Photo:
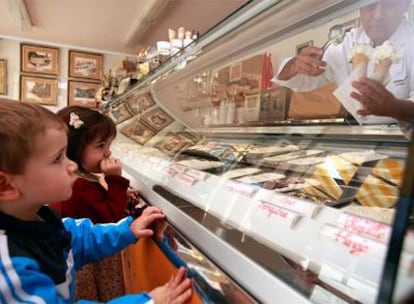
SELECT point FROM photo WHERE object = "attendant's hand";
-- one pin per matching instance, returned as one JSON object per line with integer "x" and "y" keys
{"x": 308, "y": 62}
{"x": 111, "y": 166}
{"x": 375, "y": 99}
{"x": 140, "y": 226}
{"x": 176, "y": 291}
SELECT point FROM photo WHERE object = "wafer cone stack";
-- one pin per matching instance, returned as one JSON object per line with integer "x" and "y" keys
{"x": 381, "y": 69}
{"x": 358, "y": 58}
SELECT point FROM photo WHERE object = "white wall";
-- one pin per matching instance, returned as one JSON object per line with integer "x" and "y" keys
{"x": 10, "y": 50}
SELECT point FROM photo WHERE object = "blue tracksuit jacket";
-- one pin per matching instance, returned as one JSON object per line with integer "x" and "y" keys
{"x": 39, "y": 258}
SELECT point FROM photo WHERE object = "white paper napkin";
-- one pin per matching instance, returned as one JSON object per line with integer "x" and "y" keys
{"x": 343, "y": 94}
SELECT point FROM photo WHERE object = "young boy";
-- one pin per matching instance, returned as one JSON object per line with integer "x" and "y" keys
{"x": 38, "y": 251}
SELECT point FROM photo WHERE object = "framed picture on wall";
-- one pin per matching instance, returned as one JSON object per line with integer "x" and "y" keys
{"x": 83, "y": 93}
{"x": 85, "y": 65}
{"x": 39, "y": 59}
{"x": 354, "y": 23}
{"x": 3, "y": 76}
{"x": 39, "y": 90}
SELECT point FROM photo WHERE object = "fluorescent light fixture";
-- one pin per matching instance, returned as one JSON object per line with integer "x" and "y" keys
{"x": 19, "y": 13}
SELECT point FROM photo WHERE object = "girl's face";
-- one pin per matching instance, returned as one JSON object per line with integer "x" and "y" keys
{"x": 49, "y": 174}
{"x": 94, "y": 153}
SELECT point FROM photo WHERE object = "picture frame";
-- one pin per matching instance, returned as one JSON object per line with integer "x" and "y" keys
{"x": 138, "y": 104}
{"x": 301, "y": 46}
{"x": 85, "y": 65}
{"x": 3, "y": 77}
{"x": 138, "y": 132}
{"x": 83, "y": 93}
{"x": 38, "y": 59}
{"x": 157, "y": 119}
{"x": 120, "y": 113}
{"x": 354, "y": 23}
{"x": 40, "y": 90}
{"x": 172, "y": 143}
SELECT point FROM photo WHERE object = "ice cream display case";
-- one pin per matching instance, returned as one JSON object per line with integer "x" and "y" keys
{"x": 282, "y": 191}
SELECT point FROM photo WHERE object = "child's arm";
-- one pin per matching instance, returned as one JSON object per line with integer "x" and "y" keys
{"x": 23, "y": 282}
{"x": 92, "y": 242}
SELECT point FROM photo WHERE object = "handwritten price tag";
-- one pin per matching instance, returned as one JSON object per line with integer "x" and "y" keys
{"x": 240, "y": 189}
{"x": 199, "y": 175}
{"x": 297, "y": 205}
{"x": 185, "y": 179}
{"x": 365, "y": 227}
{"x": 179, "y": 168}
{"x": 170, "y": 172}
{"x": 275, "y": 213}
{"x": 355, "y": 244}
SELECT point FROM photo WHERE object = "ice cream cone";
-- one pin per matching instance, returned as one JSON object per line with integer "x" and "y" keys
{"x": 381, "y": 69}
{"x": 359, "y": 58}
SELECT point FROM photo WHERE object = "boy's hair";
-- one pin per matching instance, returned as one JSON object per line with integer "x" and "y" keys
{"x": 20, "y": 125}
{"x": 95, "y": 126}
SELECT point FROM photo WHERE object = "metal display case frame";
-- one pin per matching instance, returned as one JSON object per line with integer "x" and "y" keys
{"x": 227, "y": 247}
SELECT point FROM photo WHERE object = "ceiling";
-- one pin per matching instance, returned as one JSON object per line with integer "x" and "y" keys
{"x": 111, "y": 26}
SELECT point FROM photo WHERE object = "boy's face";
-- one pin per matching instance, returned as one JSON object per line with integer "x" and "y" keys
{"x": 94, "y": 153}
{"x": 49, "y": 174}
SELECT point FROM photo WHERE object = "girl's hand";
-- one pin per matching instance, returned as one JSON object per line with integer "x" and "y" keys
{"x": 133, "y": 194}
{"x": 139, "y": 227}
{"x": 111, "y": 166}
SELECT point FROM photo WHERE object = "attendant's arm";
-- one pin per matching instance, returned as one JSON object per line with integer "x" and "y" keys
{"x": 304, "y": 72}
{"x": 307, "y": 62}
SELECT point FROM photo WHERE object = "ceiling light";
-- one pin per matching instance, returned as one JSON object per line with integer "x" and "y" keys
{"x": 19, "y": 13}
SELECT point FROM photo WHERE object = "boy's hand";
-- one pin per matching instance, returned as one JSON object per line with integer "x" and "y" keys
{"x": 111, "y": 166}
{"x": 176, "y": 291}
{"x": 139, "y": 227}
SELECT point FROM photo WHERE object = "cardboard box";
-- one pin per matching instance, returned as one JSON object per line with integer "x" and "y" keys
{"x": 317, "y": 104}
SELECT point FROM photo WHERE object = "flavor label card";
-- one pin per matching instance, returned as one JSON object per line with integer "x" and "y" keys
{"x": 265, "y": 216}
{"x": 235, "y": 188}
{"x": 185, "y": 179}
{"x": 179, "y": 168}
{"x": 355, "y": 245}
{"x": 275, "y": 213}
{"x": 295, "y": 204}
{"x": 198, "y": 175}
{"x": 365, "y": 227}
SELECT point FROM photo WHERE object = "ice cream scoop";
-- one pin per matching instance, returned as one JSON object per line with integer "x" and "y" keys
{"x": 336, "y": 35}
